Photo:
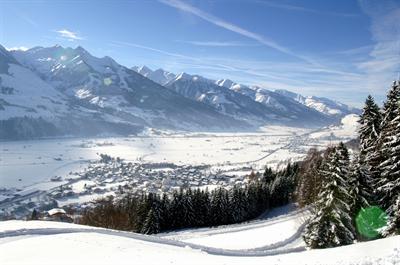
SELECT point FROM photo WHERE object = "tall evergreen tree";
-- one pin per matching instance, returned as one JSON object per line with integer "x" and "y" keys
{"x": 393, "y": 226}
{"x": 388, "y": 185}
{"x": 238, "y": 204}
{"x": 268, "y": 175}
{"x": 188, "y": 209}
{"x": 309, "y": 180}
{"x": 331, "y": 223}
{"x": 152, "y": 222}
{"x": 370, "y": 157}
{"x": 370, "y": 127}
{"x": 359, "y": 187}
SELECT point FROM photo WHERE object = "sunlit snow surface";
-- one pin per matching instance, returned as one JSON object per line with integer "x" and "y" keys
{"x": 23, "y": 163}
{"x": 33, "y": 171}
{"x": 37, "y": 242}
{"x": 279, "y": 229}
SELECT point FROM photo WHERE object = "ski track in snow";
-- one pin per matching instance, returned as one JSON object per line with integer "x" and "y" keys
{"x": 148, "y": 238}
{"x": 287, "y": 245}
{"x": 213, "y": 237}
{"x": 261, "y": 221}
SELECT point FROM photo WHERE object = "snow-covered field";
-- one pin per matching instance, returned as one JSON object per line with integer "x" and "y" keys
{"x": 26, "y": 162}
{"x": 39, "y": 242}
{"x": 277, "y": 230}
{"x": 23, "y": 163}
{"x": 33, "y": 170}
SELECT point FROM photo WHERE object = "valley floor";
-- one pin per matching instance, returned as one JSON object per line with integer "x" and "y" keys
{"x": 41, "y": 172}
{"x": 272, "y": 239}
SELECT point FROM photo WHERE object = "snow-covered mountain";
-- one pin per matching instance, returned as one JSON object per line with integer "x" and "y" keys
{"x": 248, "y": 103}
{"x": 24, "y": 92}
{"x": 279, "y": 103}
{"x": 67, "y": 91}
{"x": 28, "y": 105}
{"x": 104, "y": 89}
{"x": 324, "y": 105}
{"x": 222, "y": 99}
{"x": 245, "y": 103}
{"x": 159, "y": 76}
{"x": 51, "y": 96}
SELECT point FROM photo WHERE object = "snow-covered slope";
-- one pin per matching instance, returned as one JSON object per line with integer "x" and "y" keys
{"x": 278, "y": 229}
{"x": 31, "y": 107}
{"x": 348, "y": 127}
{"x": 117, "y": 93}
{"x": 68, "y": 91}
{"x": 28, "y": 105}
{"x": 245, "y": 103}
{"x": 279, "y": 103}
{"x": 251, "y": 103}
{"x": 24, "y": 94}
{"x": 39, "y": 242}
{"x": 286, "y": 100}
{"x": 324, "y": 105}
{"x": 222, "y": 99}
{"x": 159, "y": 76}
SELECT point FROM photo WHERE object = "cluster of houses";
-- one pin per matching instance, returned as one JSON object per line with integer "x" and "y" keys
{"x": 119, "y": 176}
{"x": 110, "y": 176}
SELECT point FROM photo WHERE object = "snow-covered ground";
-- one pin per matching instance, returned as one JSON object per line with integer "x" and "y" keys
{"x": 24, "y": 163}
{"x": 32, "y": 172}
{"x": 265, "y": 233}
{"x": 40, "y": 242}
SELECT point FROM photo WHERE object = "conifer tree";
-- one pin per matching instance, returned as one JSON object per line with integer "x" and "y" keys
{"x": 370, "y": 127}
{"x": 393, "y": 226}
{"x": 268, "y": 175}
{"x": 309, "y": 179}
{"x": 176, "y": 210}
{"x": 189, "y": 212}
{"x": 238, "y": 205}
{"x": 152, "y": 222}
{"x": 331, "y": 223}
{"x": 388, "y": 185}
{"x": 359, "y": 187}
{"x": 34, "y": 215}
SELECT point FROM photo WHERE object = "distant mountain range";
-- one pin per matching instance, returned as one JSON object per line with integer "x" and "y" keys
{"x": 199, "y": 88}
{"x": 57, "y": 91}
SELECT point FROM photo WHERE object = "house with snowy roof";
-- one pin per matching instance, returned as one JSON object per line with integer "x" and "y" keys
{"x": 59, "y": 215}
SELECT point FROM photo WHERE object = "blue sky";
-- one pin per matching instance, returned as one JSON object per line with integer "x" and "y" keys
{"x": 342, "y": 49}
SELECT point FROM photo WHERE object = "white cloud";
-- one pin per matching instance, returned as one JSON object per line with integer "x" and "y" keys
{"x": 69, "y": 35}
{"x": 295, "y": 76}
{"x": 383, "y": 64}
{"x": 307, "y": 10}
{"x": 348, "y": 76}
{"x": 219, "y": 43}
{"x": 135, "y": 45}
{"x": 234, "y": 28}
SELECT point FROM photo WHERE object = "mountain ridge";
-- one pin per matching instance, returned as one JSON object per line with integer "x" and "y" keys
{"x": 313, "y": 111}
{"x": 101, "y": 96}
{"x": 323, "y": 105}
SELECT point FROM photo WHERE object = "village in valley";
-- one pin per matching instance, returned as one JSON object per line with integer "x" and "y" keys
{"x": 107, "y": 167}
{"x": 113, "y": 176}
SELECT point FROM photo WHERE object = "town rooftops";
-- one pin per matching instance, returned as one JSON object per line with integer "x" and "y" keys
{"x": 56, "y": 211}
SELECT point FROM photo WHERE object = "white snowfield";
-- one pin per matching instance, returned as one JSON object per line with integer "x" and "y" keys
{"x": 39, "y": 242}
{"x": 275, "y": 231}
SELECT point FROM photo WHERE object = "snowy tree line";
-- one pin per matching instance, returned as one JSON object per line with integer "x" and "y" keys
{"x": 153, "y": 213}
{"x": 340, "y": 188}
